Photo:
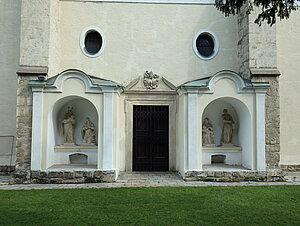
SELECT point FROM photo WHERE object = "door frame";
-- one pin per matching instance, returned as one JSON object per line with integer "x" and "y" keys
{"x": 155, "y": 101}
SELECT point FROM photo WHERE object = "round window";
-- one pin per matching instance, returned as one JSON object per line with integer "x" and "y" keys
{"x": 205, "y": 45}
{"x": 91, "y": 42}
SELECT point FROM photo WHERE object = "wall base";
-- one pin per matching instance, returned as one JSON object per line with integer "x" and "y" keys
{"x": 235, "y": 176}
{"x": 6, "y": 170}
{"x": 290, "y": 168}
{"x": 63, "y": 177}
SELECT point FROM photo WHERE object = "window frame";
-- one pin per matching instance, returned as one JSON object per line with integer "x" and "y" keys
{"x": 82, "y": 41}
{"x": 215, "y": 41}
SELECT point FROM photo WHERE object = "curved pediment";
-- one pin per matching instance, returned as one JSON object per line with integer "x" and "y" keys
{"x": 207, "y": 85}
{"x": 91, "y": 84}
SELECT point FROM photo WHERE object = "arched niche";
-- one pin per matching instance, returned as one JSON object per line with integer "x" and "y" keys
{"x": 242, "y": 133}
{"x": 82, "y": 109}
{"x": 214, "y": 112}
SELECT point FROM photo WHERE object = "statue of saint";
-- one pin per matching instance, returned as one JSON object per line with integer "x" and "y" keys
{"x": 68, "y": 127}
{"x": 228, "y": 126}
{"x": 88, "y": 132}
{"x": 207, "y": 133}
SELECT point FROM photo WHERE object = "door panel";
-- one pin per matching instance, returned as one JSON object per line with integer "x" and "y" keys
{"x": 150, "y": 138}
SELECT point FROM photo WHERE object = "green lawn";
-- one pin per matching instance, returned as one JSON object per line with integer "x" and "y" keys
{"x": 263, "y": 205}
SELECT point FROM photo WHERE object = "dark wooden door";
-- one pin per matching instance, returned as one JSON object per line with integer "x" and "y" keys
{"x": 150, "y": 138}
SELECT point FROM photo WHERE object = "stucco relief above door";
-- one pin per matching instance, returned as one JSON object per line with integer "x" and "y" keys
{"x": 150, "y": 82}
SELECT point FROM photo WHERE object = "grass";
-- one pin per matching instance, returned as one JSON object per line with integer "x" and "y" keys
{"x": 259, "y": 205}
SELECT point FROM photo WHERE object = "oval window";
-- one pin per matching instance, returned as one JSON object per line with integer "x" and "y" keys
{"x": 91, "y": 42}
{"x": 205, "y": 45}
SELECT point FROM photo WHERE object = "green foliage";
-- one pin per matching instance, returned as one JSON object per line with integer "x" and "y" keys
{"x": 259, "y": 205}
{"x": 270, "y": 9}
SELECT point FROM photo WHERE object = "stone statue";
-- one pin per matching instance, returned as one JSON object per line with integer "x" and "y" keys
{"x": 88, "y": 132}
{"x": 207, "y": 133}
{"x": 68, "y": 126}
{"x": 228, "y": 126}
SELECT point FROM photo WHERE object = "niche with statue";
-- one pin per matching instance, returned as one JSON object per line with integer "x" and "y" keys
{"x": 220, "y": 134}
{"x": 75, "y": 131}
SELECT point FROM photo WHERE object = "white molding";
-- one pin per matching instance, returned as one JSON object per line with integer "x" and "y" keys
{"x": 108, "y": 134}
{"x": 215, "y": 40}
{"x": 87, "y": 82}
{"x": 90, "y": 86}
{"x": 37, "y": 128}
{"x": 82, "y": 39}
{"x": 194, "y": 156}
{"x": 260, "y": 132}
{"x": 238, "y": 81}
{"x": 194, "y": 2}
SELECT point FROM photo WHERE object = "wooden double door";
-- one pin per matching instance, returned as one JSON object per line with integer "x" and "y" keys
{"x": 150, "y": 138}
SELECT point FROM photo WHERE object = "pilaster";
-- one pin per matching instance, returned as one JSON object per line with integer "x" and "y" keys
{"x": 36, "y": 143}
{"x": 107, "y": 149}
{"x": 193, "y": 153}
{"x": 260, "y": 131}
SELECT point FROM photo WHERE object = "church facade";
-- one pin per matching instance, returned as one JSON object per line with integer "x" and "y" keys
{"x": 95, "y": 88}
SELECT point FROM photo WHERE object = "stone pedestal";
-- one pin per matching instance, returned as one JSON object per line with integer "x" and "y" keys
{"x": 233, "y": 155}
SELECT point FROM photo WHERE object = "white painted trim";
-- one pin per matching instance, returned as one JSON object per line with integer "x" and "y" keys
{"x": 107, "y": 131}
{"x": 57, "y": 87}
{"x": 194, "y": 158}
{"x": 195, "y": 2}
{"x": 215, "y": 40}
{"x": 260, "y": 132}
{"x": 36, "y": 142}
{"x": 238, "y": 81}
{"x": 82, "y": 39}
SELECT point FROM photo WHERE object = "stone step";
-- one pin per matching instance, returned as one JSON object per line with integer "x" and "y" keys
{"x": 149, "y": 177}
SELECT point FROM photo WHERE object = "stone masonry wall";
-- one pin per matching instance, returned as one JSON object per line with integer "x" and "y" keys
{"x": 235, "y": 176}
{"x": 272, "y": 120}
{"x": 243, "y": 42}
{"x": 262, "y": 44}
{"x": 54, "y": 39}
{"x": 257, "y": 44}
{"x": 257, "y": 51}
{"x": 24, "y": 123}
{"x": 63, "y": 177}
{"x": 34, "y": 46}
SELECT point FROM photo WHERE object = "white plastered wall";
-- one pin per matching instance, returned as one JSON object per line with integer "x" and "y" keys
{"x": 288, "y": 49}
{"x": 136, "y": 40}
{"x": 10, "y": 12}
